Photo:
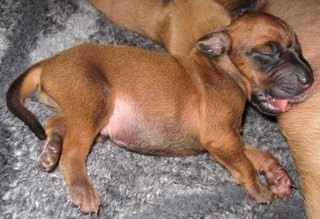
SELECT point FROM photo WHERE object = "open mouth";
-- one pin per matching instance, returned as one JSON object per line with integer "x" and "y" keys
{"x": 279, "y": 105}
{"x": 275, "y": 106}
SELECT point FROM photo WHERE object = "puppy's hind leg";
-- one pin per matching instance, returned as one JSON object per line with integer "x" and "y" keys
{"x": 279, "y": 181}
{"x": 76, "y": 146}
{"x": 51, "y": 147}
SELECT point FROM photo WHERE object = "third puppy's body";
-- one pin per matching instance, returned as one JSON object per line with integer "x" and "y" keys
{"x": 175, "y": 24}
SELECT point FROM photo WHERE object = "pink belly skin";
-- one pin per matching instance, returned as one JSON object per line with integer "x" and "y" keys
{"x": 129, "y": 127}
{"x": 123, "y": 123}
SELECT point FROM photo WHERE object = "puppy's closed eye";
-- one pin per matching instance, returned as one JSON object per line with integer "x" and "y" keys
{"x": 264, "y": 60}
{"x": 266, "y": 57}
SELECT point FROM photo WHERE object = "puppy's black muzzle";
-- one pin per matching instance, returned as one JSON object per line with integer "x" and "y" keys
{"x": 290, "y": 79}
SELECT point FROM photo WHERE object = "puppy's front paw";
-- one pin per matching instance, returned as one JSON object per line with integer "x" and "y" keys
{"x": 279, "y": 181}
{"x": 85, "y": 197}
{"x": 51, "y": 150}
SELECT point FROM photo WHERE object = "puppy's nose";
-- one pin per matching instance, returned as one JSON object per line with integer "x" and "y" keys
{"x": 305, "y": 81}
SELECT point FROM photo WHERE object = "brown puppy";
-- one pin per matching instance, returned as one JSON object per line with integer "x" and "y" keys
{"x": 301, "y": 125}
{"x": 147, "y": 107}
{"x": 186, "y": 105}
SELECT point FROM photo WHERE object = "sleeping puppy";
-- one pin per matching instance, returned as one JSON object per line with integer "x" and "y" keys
{"x": 155, "y": 103}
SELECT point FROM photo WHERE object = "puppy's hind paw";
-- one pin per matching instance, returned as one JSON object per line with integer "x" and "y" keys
{"x": 50, "y": 155}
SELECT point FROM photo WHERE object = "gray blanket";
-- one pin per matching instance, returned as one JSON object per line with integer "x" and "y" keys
{"x": 130, "y": 185}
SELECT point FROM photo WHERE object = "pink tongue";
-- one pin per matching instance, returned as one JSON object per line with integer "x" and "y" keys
{"x": 282, "y": 104}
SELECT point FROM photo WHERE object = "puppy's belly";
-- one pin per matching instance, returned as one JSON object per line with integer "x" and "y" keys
{"x": 155, "y": 134}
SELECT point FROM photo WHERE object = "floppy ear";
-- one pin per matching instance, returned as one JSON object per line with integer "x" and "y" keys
{"x": 215, "y": 44}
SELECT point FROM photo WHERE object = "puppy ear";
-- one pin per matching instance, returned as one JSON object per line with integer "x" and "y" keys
{"x": 215, "y": 44}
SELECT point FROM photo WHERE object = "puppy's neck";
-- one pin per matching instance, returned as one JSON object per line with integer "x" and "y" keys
{"x": 222, "y": 66}
{"x": 223, "y": 63}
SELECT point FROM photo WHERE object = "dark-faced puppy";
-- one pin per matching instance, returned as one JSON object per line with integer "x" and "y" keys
{"x": 154, "y": 103}
{"x": 114, "y": 110}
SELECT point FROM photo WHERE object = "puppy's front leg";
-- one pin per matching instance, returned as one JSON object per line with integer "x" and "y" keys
{"x": 76, "y": 148}
{"x": 229, "y": 150}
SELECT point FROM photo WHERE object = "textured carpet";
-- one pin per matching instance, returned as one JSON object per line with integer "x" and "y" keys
{"x": 130, "y": 185}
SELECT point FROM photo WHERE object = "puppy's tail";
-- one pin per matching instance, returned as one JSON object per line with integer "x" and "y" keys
{"x": 18, "y": 91}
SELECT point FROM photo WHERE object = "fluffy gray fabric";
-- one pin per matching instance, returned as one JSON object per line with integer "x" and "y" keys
{"x": 130, "y": 185}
